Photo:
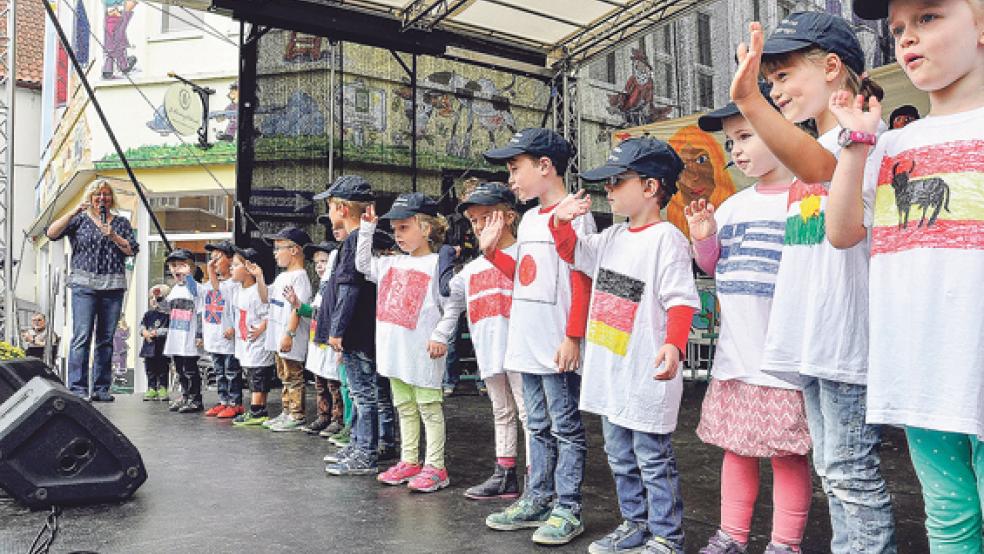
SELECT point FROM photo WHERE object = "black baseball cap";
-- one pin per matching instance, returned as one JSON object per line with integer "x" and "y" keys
{"x": 225, "y": 246}
{"x": 871, "y": 9}
{"x": 644, "y": 155}
{"x": 714, "y": 121}
{"x": 488, "y": 194}
{"x": 348, "y": 187}
{"x": 293, "y": 234}
{"x": 323, "y": 246}
{"x": 410, "y": 204}
{"x": 248, "y": 254}
{"x": 535, "y": 141}
{"x": 905, "y": 109}
{"x": 180, "y": 255}
{"x": 804, "y": 29}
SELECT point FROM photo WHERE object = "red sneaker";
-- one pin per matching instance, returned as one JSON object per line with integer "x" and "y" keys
{"x": 399, "y": 474}
{"x": 430, "y": 479}
{"x": 214, "y": 410}
{"x": 230, "y": 412}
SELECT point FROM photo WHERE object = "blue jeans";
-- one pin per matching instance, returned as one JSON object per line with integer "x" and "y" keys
{"x": 387, "y": 414}
{"x": 646, "y": 480}
{"x": 361, "y": 372}
{"x": 99, "y": 309}
{"x": 845, "y": 455}
{"x": 557, "y": 442}
{"x": 228, "y": 379}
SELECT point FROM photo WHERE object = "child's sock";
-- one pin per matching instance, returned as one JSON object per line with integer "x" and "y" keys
{"x": 506, "y": 462}
{"x": 739, "y": 489}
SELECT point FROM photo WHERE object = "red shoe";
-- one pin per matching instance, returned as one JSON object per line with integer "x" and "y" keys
{"x": 430, "y": 479}
{"x": 399, "y": 474}
{"x": 214, "y": 410}
{"x": 230, "y": 412}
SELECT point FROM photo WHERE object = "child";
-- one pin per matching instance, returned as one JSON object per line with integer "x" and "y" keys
{"x": 251, "y": 309}
{"x": 184, "y": 332}
{"x": 642, "y": 303}
{"x": 408, "y": 307}
{"x": 487, "y": 294}
{"x": 153, "y": 329}
{"x": 926, "y": 373}
{"x": 285, "y": 325}
{"x": 746, "y": 412}
{"x": 549, "y": 310}
{"x": 321, "y": 362}
{"x": 351, "y": 331}
{"x": 818, "y": 327}
{"x": 218, "y": 330}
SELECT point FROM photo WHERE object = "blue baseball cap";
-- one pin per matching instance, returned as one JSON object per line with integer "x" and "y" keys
{"x": 323, "y": 246}
{"x": 249, "y": 254}
{"x": 714, "y": 121}
{"x": 225, "y": 246}
{"x": 410, "y": 204}
{"x": 804, "y": 29}
{"x": 488, "y": 194}
{"x": 535, "y": 141}
{"x": 644, "y": 155}
{"x": 871, "y": 9}
{"x": 293, "y": 234}
{"x": 180, "y": 255}
{"x": 348, "y": 187}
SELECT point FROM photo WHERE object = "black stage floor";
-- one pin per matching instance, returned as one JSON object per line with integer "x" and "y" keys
{"x": 214, "y": 488}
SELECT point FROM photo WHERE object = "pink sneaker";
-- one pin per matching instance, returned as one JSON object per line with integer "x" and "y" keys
{"x": 430, "y": 479}
{"x": 399, "y": 474}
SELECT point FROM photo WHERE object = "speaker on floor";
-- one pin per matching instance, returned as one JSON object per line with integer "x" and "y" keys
{"x": 56, "y": 449}
{"x": 14, "y": 374}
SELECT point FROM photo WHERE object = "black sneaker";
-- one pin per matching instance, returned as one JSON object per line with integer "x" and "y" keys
{"x": 191, "y": 406}
{"x": 316, "y": 426}
{"x": 176, "y": 404}
{"x": 358, "y": 463}
{"x": 387, "y": 454}
{"x": 502, "y": 484}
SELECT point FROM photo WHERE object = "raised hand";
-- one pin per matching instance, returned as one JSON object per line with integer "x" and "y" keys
{"x": 745, "y": 82}
{"x": 700, "y": 219}
{"x": 572, "y": 206}
{"x": 369, "y": 216}
{"x": 669, "y": 357}
{"x": 255, "y": 270}
{"x": 850, "y": 114}
{"x": 492, "y": 232}
{"x": 291, "y": 297}
{"x": 83, "y": 206}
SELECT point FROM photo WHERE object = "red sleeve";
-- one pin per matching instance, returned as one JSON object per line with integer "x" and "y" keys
{"x": 503, "y": 262}
{"x": 565, "y": 239}
{"x": 577, "y": 321}
{"x": 678, "y": 323}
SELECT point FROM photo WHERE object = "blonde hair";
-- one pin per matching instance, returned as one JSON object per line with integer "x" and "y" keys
{"x": 724, "y": 186}
{"x": 438, "y": 228}
{"x": 353, "y": 205}
{"x": 857, "y": 84}
{"x": 94, "y": 187}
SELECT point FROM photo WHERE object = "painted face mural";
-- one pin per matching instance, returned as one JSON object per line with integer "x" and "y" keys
{"x": 704, "y": 173}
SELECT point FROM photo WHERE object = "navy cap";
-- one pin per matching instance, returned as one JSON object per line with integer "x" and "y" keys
{"x": 871, "y": 9}
{"x": 488, "y": 194}
{"x": 714, "y": 121}
{"x": 323, "y": 246}
{"x": 804, "y": 29}
{"x": 249, "y": 254}
{"x": 226, "y": 247}
{"x": 644, "y": 155}
{"x": 348, "y": 187}
{"x": 410, "y": 204}
{"x": 535, "y": 141}
{"x": 293, "y": 234}
{"x": 180, "y": 255}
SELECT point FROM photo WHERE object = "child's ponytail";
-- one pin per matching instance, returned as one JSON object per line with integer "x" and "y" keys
{"x": 438, "y": 226}
{"x": 863, "y": 85}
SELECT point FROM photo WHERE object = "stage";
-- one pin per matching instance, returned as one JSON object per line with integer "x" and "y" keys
{"x": 213, "y": 488}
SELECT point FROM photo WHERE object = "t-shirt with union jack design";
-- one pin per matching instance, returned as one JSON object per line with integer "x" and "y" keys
{"x": 183, "y": 329}
{"x": 218, "y": 314}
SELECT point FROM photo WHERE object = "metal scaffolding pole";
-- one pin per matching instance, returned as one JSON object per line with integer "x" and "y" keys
{"x": 7, "y": 171}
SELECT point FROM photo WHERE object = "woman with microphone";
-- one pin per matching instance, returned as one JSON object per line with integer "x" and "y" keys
{"x": 100, "y": 241}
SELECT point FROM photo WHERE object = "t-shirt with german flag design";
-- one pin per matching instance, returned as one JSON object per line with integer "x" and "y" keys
{"x": 638, "y": 276}
{"x": 927, "y": 269}
{"x": 250, "y": 313}
{"x": 486, "y": 292}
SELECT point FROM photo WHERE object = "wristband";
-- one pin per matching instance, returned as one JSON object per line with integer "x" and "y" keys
{"x": 848, "y": 137}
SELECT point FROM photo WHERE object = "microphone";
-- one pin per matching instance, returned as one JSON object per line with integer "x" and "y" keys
{"x": 103, "y": 214}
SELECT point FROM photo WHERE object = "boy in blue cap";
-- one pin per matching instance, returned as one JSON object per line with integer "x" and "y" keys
{"x": 545, "y": 331}
{"x": 642, "y": 303}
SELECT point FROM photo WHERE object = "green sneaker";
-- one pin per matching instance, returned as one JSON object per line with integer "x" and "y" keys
{"x": 287, "y": 424}
{"x": 561, "y": 528}
{"x": 274, "y": 420}
{"x": 522, "y": 514}
{"x": 151, "y": 394}
{"x": 342, "y": 438}
{"x": 162, "y": 394}
{"x": 249, "y": 420}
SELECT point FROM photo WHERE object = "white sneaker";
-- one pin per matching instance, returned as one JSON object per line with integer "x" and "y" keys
{"x": 274, "y": 420}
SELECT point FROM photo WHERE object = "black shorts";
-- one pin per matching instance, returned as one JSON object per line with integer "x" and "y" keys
{"x": 260, "y": 377}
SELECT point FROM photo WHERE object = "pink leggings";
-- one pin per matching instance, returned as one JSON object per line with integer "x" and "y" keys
{"x": 791, "y": 495}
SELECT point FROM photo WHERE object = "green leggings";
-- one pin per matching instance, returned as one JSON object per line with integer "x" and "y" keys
{"x": 950, "y": 467}
{"x": 346, "y": 399}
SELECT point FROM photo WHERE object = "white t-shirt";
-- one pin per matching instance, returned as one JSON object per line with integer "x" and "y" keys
{"x": 321, "y": 360}
{"x": 487, "y": 294}
{"x": 182, "y": 330}
{"x": 751, "y": 228}
{"x": 251, "y": 312}
{"x": 541, "y": 295}
{"x": 927, "y": 308}
{"x": 819, "y": 321}
{"x": 218, "y": 314}
{"x": 638, "y": 275}
{"x": 408, "y": 307}
{"x": 280, "y": 312}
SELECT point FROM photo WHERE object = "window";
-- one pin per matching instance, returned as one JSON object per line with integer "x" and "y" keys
{"x": 663, "y": 75}
{"x": 163, "y": 201}
{"x": 756, "y": 10}
{"x": 202, "y": 212}
{"x": 176, "y": 18}
{"x": 784, "y": 10}
{"x": 663, "y": 40}
{"x": 217, "y": 205}
{"x": 704, "y": 39}
{"x": 603, "y": 69}
{"x": 705, "y": 91}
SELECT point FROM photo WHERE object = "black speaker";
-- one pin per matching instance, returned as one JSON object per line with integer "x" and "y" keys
{"x": 14, "y": 374}
{"x": 56, "y": 449}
